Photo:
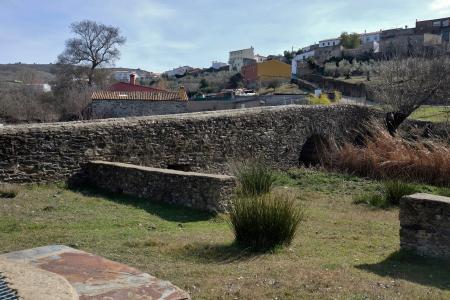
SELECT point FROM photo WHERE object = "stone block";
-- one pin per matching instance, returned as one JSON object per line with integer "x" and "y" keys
{"x": 208, "y": 192}
{"x": 425, "y": 224}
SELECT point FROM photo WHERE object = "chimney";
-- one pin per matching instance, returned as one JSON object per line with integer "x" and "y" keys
{"x": 133, "y": 79}
{"x": 182, "y": 93}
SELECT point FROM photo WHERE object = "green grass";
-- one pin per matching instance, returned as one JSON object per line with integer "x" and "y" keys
{"x": 341, "y": 251}
{"x": 431, "y": 113}
{"x": 391, "y": 191}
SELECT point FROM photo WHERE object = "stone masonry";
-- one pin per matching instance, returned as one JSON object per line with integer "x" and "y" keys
{"x": 195, "y": 190}
{"x": 425, "y": 224}
{"x": 203, "y": 141}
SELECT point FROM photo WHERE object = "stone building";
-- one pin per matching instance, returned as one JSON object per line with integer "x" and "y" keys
{"x": 440, "y": 27}
{"x": 114, "y": 104}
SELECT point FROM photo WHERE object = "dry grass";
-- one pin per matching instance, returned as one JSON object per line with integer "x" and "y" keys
{"x": 388, "y": 157}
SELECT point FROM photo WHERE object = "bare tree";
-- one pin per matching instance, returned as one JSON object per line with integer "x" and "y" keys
{"x": 95, "y": 44}
{"x": 404, "y": 84}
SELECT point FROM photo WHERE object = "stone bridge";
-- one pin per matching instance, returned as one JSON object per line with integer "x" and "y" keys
{"x": 282, "y": 136}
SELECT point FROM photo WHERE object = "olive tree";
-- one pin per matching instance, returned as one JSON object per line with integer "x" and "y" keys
{"x": 94, "y": 45}
{"x": 405, "y": 84}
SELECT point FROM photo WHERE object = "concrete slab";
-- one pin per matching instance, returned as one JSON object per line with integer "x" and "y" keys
{"x": 95, "y": 277}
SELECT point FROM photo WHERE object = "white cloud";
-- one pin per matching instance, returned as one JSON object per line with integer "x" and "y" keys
{"x": 440, "y": 5}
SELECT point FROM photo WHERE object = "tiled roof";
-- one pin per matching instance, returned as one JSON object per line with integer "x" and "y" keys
{"x": 128, "y": 87}
{"x": 148, "y": 96}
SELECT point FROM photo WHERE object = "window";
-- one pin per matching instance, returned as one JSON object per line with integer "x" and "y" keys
{"x": 445, "y": 23}
{"x": 436, "y": 23}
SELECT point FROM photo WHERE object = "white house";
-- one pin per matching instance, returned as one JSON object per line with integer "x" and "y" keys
{"x": 260, "y": 58}
{"x": 236, "y": 60}
{"x": 300, "y": 57}
{"x": 178, "y": 71}
{"x": 330, "y": 42}
{"x": 369, "y": 37}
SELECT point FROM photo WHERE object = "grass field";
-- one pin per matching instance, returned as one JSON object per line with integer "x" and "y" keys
{"x": 432, "y": 113}
{"x": 342, "y": 250}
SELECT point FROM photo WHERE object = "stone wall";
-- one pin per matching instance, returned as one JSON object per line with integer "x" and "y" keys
{"x": 100, "y": 109}
{"x": 206, "y": 142}
{"x": 195, "y": 190}
{"x": 425, "y": 224}
{"x": 357, "y": 90}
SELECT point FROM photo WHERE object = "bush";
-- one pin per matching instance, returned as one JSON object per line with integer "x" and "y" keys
{"x": 321, "y": 100}
{"x": 395, "y": 189}
{"x": 254, "y": 178}
{"x": 264, "y": 222}
{"x": 8, "y": 191}
{"x": 386, "y": 157}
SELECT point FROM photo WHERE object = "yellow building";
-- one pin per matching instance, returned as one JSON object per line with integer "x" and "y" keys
{"x": 266, "y": 71}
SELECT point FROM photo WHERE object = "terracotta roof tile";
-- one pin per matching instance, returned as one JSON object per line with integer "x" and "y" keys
{"x": 148, "y": 96}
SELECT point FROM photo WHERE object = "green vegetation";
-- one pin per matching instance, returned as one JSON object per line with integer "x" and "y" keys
{"x": 392, "y": 191}
{"x": 341, "y": 250}
{"x": 432, "y": 113}
{"x": 264, "y": 222}
{"x": 395, "y": 190}
{"x": 254, "y": 178}
{"x": 321, "y": 100}
{"x": 259, "y": 219}
{"x": 350, "y": 40}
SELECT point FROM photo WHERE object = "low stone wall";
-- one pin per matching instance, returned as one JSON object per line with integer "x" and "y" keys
{"x": 425, "y": 224}
{"x": 207, "y": 192}
{"x": 357, "y": 90}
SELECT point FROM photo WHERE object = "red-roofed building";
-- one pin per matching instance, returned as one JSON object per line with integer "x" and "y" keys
{"x": 132, "y": 86}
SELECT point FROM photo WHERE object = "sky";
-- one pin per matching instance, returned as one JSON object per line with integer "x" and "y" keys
{"x": 165, "y": 34}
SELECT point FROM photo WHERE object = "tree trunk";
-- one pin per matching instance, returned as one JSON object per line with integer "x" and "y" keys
{"x": 394, "y": 119}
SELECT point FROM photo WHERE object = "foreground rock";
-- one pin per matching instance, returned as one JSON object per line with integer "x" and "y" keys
{"x": 70, "y": 273}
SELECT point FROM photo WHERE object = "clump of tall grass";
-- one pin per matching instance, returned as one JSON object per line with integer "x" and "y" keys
{"x": 254, "y": 178}
{"x": 394, "y": 190}
{"x": 391, "y": 193}
{"x": 266, "y": 221}
{"x": 8, "y": 190}
{"x": 386, "y": 157}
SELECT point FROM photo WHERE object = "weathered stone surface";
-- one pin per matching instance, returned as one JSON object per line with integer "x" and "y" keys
{"x": 196, "y": 190}
{"x": 94, "y": 277}
{"x": 203, "y": 141}
{"x": 425, "y": 224}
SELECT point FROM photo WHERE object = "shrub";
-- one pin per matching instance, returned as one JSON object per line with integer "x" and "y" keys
{"x": 254, "y": 178}
{"x": 395, "y": 189}
{"x": 8, "y": 191}
{"x": 386, "y": 157}
{"x": 264, "y": 222}
{"x": 321, "y": 100}
{"x": 392, "y": 192}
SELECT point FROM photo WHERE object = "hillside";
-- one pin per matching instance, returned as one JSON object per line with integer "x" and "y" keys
{"x": 26, "y": 72}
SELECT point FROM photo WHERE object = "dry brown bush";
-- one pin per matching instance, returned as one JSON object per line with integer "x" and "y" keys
{"x": 386, "y": 157}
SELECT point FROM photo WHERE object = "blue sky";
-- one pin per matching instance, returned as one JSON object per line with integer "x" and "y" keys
{"x": 163, "y": 34}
